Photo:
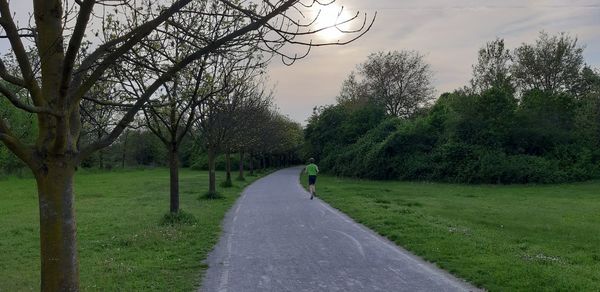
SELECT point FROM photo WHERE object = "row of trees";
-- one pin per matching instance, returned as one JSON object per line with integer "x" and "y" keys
{"x": 183, "y": 63}
{"x": 531, "y": 115}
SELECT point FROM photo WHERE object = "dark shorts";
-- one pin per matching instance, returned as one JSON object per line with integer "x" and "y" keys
{"x": 312, "y": 179}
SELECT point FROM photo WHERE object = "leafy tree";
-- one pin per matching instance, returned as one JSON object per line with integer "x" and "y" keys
{"x": 554, "y": 63}
{"x": 353, "y": 93}
{"x": 493, "y": 67}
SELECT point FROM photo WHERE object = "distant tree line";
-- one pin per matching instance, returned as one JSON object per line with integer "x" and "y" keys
{"x": 530, "y": 115}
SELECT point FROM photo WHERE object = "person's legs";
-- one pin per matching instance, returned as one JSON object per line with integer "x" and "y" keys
{"x": 311, "y": 185}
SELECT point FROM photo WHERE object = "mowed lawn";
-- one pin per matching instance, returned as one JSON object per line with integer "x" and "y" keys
{"x": 122, "y": 246}
{"x": 501, "y": 238}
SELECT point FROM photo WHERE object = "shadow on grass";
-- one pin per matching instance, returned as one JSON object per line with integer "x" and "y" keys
{"x": 226, "y": 184}
{"x": 178, "y": 218}
{"x": 211, "y": 196}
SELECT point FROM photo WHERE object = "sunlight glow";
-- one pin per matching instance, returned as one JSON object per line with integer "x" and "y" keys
{"x": 331, "y": 15}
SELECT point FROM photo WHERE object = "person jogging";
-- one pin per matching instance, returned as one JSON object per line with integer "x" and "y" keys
{"x": 312, "y": 169}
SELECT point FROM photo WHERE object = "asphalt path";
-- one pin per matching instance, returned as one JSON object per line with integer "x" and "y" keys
{"x": 276, "y": 239}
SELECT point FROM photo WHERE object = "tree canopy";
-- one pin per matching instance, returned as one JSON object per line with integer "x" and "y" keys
{"x": 528, "y": 116}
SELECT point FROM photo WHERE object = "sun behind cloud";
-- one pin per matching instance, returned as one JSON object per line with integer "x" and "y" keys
{"x": 332, "y": 16}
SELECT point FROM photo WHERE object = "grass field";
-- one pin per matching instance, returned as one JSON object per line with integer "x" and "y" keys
{"x": 502, "y": 238}
{"x": 122, "y": 246}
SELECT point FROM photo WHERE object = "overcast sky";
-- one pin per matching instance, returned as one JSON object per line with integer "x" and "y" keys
{"x": 448, "y": 32}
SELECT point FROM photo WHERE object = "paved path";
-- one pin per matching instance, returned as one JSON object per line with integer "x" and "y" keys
{"x": 276, "y": 239}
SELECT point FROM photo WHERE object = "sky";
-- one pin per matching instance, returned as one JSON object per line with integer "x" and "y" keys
{"x": 447, "y": 32}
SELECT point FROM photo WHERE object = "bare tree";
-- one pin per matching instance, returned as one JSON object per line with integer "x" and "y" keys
{"x": 219, "y": 114}
{"x": 251, "y": 117}
{"x": 171, "y": 114}
{"x": 400, "y": 81}
{"x": 63, "y": 71}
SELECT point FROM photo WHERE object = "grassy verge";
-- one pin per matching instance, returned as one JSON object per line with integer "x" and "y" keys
{"x": 122, "y": 245}
{"x": 502, "y": 238}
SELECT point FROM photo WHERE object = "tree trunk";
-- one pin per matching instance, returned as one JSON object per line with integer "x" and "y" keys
{"x": 58, "y": 231}
{"x": 260, "y": 163}
{"x": 241, "y": 175}
{"x": 251, "y": 164}
{"x": 174, "y": 177}
{"x": 100, "y": 154}
{"x": 212, "y": 180}
{"x": 124, "y": 150}
{"x": 228, "y": 168}
{"x": 101, "y": 159}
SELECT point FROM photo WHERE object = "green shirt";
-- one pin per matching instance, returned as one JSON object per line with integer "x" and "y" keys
{"x": 312, "y": 169}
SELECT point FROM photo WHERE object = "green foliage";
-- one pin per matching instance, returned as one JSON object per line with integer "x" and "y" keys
{"x": 24, "y": 126}
{"x": 547, "y": 120}
{"x": 529, "y": 116}
{"x": 553, "y": 63}
{"x": 471, "y": 138}
{"x": 199, "y": 161}
{"x": 337, "y": 126}
{"x": 484, "y": 119}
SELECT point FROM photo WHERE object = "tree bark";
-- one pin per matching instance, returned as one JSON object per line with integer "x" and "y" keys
{"x": 100, "y": 152}
{"x": 251, "y": 164}
{"x": 241, "y": 174}
{"x": 101, "y": 159}
{"x": 212, "y": 180}
{"x": 124, "y": 150}
{"x": 228, "y": 168}
{"x": 58, "y": 231}
{"x": 174, "y": 177}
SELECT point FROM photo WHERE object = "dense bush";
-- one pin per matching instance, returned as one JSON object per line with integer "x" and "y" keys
{"x": 491, "y": 137}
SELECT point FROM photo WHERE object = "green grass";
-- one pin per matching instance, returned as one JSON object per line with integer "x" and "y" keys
{"x": 502, "y": 238}
{"x": 122, "y": 244}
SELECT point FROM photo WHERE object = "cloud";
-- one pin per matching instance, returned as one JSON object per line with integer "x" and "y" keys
{"x": 448, "y": 33}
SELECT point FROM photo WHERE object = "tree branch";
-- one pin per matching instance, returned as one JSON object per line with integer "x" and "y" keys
{"x": 130, "y": 40}
{"x": 128, "y": 117}
{"x": 83, "y": 18}
{"x": 12, "y": 97}
{"x": 10, "y": 78}
{"x": 12, "y": 34}
{"x": 16, "y": 146}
